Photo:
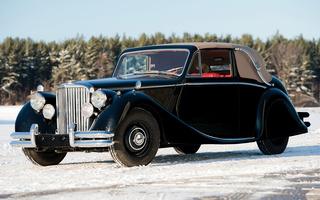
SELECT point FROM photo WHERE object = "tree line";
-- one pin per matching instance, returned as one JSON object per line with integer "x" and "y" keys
{"x": 24, "y": 63}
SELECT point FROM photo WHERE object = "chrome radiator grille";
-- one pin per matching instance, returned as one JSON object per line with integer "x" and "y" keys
{"x": 70, "y": 99}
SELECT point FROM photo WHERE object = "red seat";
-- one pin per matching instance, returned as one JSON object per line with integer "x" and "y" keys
{"x": 212, "y": 75}
{"x": 215, "y": 75}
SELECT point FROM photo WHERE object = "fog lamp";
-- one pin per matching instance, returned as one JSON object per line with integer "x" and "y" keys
{"x": 48, "y": 111}
{"x": 87, "y": 110}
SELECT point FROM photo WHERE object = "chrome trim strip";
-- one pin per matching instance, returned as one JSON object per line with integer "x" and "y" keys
{"x": 156, "y": 86}
{"x": 222, "y": 139}
{"x": 199, "y": 83}
{"x": 256, "y": 64}
{"x": 222, "y": 83}
{"x": 253, "y": 84}
{"x": 210, "y": 83}
{"x": 142, "y": 87}
{"x": 227, "y": 139}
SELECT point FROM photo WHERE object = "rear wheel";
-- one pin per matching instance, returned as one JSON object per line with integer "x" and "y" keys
{"x": 187, "y": 149}
{"x": 137, "y": 139}
{"x": 43, "y": 158}
{"x": 273, "y": 146}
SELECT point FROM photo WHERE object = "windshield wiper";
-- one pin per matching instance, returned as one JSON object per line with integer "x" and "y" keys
{"x": 153, "y": 72}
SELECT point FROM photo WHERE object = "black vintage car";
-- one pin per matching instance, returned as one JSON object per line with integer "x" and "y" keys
{"x": 175, "y": 95}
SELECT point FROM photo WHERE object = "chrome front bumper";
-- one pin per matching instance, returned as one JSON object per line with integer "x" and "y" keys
{"x": 84, "y": 139}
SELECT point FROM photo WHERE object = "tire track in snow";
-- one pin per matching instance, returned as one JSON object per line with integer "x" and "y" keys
{"x": 299, "y": 184}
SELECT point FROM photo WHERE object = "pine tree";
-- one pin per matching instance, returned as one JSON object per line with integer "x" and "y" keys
{"x": 25, "y": 63}
{"x": 294, "y": 72}
{"x": 246, "y": 40}
{"x": 114, "y": 46}
{"x": 143, "y": 40}
{"x": 11, "y": 54}
{"x": 187, "y": 37}
{"x": 158, "y": 38}
{"x": 173, "y": 38}
{"x": 210, "y": 38}
{"x": 91, "y": 56}
{"x": 127, "y": 42}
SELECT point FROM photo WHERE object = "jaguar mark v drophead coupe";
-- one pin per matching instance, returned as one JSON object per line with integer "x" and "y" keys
{"x": 175, "y": 95}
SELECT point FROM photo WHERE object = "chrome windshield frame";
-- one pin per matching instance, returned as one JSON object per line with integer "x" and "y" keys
{"x": 150, "y": 50}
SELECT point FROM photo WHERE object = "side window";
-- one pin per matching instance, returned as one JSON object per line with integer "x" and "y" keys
{"x": 215, "y": 63}
{"x": 195, "y": 69}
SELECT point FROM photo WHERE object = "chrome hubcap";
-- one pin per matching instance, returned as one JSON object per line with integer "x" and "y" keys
{"x": 137, "y": 139}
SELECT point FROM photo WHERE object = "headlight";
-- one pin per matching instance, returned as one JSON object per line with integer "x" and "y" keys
{"x": 37, "y": 101}
{"x": 48, "y": 111}
{"x": 87, "y": 110}
{"x": 99, "y": 99}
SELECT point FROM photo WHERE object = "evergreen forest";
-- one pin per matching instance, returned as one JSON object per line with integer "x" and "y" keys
{"x": 24, "y": 63}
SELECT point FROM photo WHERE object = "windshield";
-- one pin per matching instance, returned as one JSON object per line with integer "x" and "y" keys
{"x": 169, "y": 62}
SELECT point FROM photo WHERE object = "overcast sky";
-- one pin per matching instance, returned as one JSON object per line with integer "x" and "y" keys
{"x": 58, "y": 20}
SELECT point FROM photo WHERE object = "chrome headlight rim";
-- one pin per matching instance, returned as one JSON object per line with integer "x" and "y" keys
{"x": 98, "y": 99}
{"x": 37, "y": 101}
{"x": 48, "y": 111}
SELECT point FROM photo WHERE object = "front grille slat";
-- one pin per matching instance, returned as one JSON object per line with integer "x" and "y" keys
{"x": 70, "y": 99}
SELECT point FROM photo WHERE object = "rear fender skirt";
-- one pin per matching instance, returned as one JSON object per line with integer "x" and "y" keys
{"x": 277, "y": 117}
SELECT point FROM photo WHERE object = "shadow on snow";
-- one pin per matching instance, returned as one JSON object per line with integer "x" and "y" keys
{"x": 211, "y": 157}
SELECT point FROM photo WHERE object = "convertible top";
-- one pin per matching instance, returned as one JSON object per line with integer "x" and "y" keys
{"x": 245, "y": 66}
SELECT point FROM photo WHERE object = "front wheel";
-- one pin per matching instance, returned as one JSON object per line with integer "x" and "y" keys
{"x": 273, "y": 146}
{"x": 137, "y": 139}
{"x": 43, "y": 158}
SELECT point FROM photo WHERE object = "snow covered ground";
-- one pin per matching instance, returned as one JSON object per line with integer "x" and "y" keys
{"x": 215, "y": 172}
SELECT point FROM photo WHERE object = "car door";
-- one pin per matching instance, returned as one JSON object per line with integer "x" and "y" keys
{"x": 209, "y": 97}
{"x": 250, "y": 93}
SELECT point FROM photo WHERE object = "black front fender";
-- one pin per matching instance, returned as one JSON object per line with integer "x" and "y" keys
{"x": 28, "y": 116}
{"x": 114, "y": 113}
{"x": 277, "y": 117}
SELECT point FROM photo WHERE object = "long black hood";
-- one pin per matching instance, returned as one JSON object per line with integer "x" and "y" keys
{"x": 118, "y": 83}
